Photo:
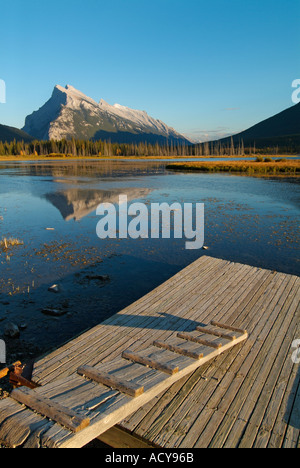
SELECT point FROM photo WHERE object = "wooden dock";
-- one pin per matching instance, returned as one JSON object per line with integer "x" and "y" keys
{"x": 244, "y": 395}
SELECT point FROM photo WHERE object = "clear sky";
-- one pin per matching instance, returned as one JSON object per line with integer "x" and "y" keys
{"x": 204, "y": 67}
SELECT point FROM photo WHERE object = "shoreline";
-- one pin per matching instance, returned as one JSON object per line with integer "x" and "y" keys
{"x": 33, "y": 158}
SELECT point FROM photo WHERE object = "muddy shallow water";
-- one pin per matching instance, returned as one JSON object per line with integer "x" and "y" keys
{"x": 51, "y": 208}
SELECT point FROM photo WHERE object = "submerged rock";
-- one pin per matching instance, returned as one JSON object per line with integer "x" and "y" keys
{"x": 55, "y": 288}
{"x": 98, "y": 277}
{"x": 54, "y": 312}
{"x": 11, "y": 330}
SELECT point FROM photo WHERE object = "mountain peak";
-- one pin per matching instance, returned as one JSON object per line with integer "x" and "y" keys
{"x": 58, "y": 90}
{"x": 67, "y": 88}
{"x": 69, "y": 113}
{"x": 103, "y": 103}
{"x": 71, "y": 88}
{"x": 74, "y": 93}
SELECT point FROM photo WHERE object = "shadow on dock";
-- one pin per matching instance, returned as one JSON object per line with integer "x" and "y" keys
{"x": 292, "y": 412}
{"x": 164, "y": 321}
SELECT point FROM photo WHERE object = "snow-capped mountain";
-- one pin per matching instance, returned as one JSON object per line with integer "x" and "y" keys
{"x": 70, "y": 113}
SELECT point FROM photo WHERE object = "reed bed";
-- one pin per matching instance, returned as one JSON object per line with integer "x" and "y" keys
{"x": 279, "y": 167}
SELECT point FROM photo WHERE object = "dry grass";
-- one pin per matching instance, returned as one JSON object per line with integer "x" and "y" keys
{"x": 244, "y": 167}
{"x": 60, "y": 156}
{"x": 8, "y": 243}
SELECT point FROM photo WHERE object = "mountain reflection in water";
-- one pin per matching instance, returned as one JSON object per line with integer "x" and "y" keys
{"x": 77, "y": 203}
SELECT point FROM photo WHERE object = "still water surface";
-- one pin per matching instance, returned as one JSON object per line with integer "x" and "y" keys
{"x": 247, "y": 219}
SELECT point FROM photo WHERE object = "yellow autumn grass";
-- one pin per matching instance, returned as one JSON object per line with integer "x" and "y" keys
{"x": 251, "y": 167}
{"x": 7, "y": 243}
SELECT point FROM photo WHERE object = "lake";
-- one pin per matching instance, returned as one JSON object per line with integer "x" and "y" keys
{"x": 51, "y": 208}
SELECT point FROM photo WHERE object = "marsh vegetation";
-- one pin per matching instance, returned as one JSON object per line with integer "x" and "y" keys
{"x": 262, "y": 166}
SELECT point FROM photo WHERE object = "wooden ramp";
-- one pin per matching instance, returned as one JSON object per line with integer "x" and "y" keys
{"x": 170, "y": 374}
{"x": 76, "y": 410}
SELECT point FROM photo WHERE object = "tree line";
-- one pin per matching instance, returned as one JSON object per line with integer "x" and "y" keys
{"x": 86, "y": 148}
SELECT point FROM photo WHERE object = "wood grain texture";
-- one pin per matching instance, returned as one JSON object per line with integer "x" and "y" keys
{"x": 51, "y": 409}
{"x": 150, "y": 362}
{"x": 111, "y": 381}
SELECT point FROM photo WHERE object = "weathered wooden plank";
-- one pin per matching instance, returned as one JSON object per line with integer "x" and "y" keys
{"x": 182, "y": 311}
{"x": 291, "y": 437}
{"x": 202, "y": 339}
{"x": 182, "y": 437}
{"x": 243, "y": 404}
{"x": 192, "y": 404}
{"x": 28, "y": 428}
{"x": 9, "y": 408}
{"x": 223, "y": 413}
{"x": 139, "y": 422}
{"x": 262, "y": 309}
{"x": 150, "y": 362}
{"x": 16, "y": 430}
{"x": 120, "y": 439}
{"x": 194, "y": 354}
{"x": 166, "y": 357}
{"x": 228, "y": 327}
{"x": 118, "y": 407}
{"x": 275, "y": 414}
{"x": 275, "y": 437}
{"x": 228, "y": 381}
{"x": 161, "y": 427}
{"x": 190, "y": 311}
{"x": 215, "y": 331}
{"x": 49, "y": 408}
{"x": 111, "y": 381}
{"x": 264, "y": 386}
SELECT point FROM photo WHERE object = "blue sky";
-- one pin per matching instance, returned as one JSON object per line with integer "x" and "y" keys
{"x": 206, "y": 68}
